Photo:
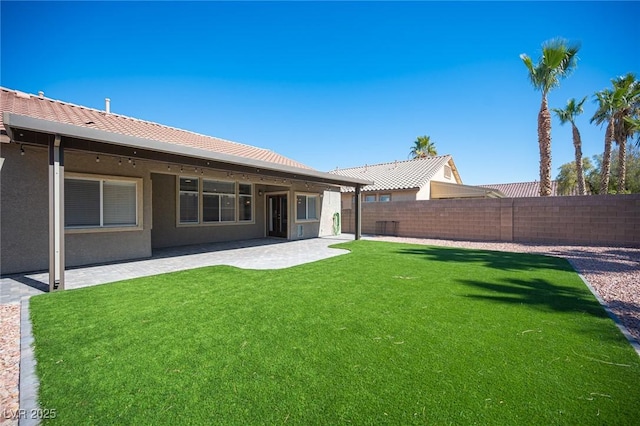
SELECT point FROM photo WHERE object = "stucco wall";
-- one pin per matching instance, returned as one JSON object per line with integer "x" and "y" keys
{"x": 24, "y": 212}
{"x": 166, "y": 232}
{"x": 24, "y": 223}
{"x": 588, "y": 220}
{"x": 330, "y": 206}
{"x": 24, "y": 207}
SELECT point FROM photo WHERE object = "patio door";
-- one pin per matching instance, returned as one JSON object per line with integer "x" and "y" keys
{"x": 277, "y": 220}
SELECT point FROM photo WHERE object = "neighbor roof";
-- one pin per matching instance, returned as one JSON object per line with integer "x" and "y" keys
{"x": 398, "y": 175}
{"x": 63, "y": 112}
{"x": 522, "y": 189}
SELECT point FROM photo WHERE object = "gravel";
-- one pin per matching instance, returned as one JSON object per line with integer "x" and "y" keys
{"x": 614, "y": 273}
{"x": 9, "y": 362}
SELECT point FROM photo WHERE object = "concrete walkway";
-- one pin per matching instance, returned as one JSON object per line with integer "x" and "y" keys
{"x": 264, "y": 253}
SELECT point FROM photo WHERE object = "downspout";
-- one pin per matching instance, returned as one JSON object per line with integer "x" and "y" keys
{"x": 358, "y": 230}
{"x": 56, "y": 214}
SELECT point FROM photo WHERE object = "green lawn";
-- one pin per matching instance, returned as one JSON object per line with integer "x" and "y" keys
{"x": 388, "y": 334}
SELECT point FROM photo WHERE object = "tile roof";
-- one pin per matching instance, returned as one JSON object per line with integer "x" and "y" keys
{"x": 522, "y": 189}
{"x": 62, "y": 112}
{"x": 409, "y": 174}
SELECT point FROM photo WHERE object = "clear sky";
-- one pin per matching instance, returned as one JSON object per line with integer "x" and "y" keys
{"x": 336, "y": 84}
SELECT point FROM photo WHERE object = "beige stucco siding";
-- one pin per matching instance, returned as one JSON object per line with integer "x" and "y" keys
{"x": 330, "y": 206}
{"x": 168, "y": 233}
{"x": 24, "y": 224}
{"x": 24, "y": 210}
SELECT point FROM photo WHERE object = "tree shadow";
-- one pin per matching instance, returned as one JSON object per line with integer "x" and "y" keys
{"x": 538, "y": 293}
{"x": 504, "y": 261}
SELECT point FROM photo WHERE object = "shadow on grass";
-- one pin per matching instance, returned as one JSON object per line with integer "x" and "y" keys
{"x": 538, "y": 293}
{"x": 505, "y": 261}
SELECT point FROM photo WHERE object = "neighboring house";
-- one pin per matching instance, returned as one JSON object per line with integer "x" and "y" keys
{"x": 523, "y": 189}
{"x": 81, "y": 186}
{"x": 419, "y": 179}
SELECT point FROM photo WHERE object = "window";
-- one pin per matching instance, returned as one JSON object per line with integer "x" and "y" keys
{"x": 306, "y": 207}
{"x": 369, "y": 198}
{"x": 93, "y": 202}
{"x": 384, "y": 198}
{"x": 447, "y": 172}
{"x": 206, "y": 201}
{"x": 218, "y": 201}
{"x": 245, "y": 202}
{"x": 189, "y": 200}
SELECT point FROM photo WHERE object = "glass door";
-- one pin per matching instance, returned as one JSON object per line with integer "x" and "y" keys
{"x": 278, "y": 220}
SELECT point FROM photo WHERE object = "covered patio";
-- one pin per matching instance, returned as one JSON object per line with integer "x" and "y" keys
{"x": 82, "y": 186}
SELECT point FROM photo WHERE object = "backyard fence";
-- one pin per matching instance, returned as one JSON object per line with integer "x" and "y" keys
{"x": 588, "y": 220}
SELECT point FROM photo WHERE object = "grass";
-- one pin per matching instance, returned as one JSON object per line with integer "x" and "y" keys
{"x": 388, "y": 334}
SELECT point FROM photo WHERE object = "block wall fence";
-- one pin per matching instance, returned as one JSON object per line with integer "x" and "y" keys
{"x": 587, "y": 220}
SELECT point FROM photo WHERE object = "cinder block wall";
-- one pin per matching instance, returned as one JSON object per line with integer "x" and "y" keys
{"x": 589, "y": 220}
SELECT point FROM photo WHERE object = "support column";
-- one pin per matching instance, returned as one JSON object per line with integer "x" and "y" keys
{"x": 56, "y": 214}
{"x": 358, "y": 206}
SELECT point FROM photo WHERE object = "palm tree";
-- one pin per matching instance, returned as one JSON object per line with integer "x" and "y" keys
{"x": 606, "y": 104}
{"x": 634, "y": 125}
{"x": 628, "y": 107}
{"x": 423, "y": 147}
{"x": 619, "y": 107}
{"x": 559, "y": 59}
{"x": 568, "y": 115}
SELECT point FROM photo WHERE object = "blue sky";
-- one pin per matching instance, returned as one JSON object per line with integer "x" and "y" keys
{"x": 334, "y": 84}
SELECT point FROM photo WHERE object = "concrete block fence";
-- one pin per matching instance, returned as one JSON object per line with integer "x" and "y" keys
{"x": 586, "y": 220}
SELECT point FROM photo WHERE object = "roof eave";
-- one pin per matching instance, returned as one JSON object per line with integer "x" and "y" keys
{"x": 17, "y": 121}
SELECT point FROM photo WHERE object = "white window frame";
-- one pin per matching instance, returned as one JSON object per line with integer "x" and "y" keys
{"x": 201, "y": 222}
{"x": 81, "y": 229}
{"x": 364, "y": 199}
{"x": 384, "y": 195}
{"x": 307, "y": 195}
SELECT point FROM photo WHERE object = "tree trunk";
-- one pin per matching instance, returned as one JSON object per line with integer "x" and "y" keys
{"x": 622, "y": 164}
{"x": 606, "y": 159}
{"x": 577, "y": 143}
{"x": 544, "y": 142}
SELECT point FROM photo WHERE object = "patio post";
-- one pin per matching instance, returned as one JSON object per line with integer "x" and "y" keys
{"x": 358, "y": 230}
{"x": 56, "y": 214}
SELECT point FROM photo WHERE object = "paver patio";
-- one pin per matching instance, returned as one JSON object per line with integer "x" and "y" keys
{"x": 263, "y": 253}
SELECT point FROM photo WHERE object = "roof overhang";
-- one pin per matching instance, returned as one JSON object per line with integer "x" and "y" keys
{"x": 16, "y": 122}
{"x": 444, "y": 190}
